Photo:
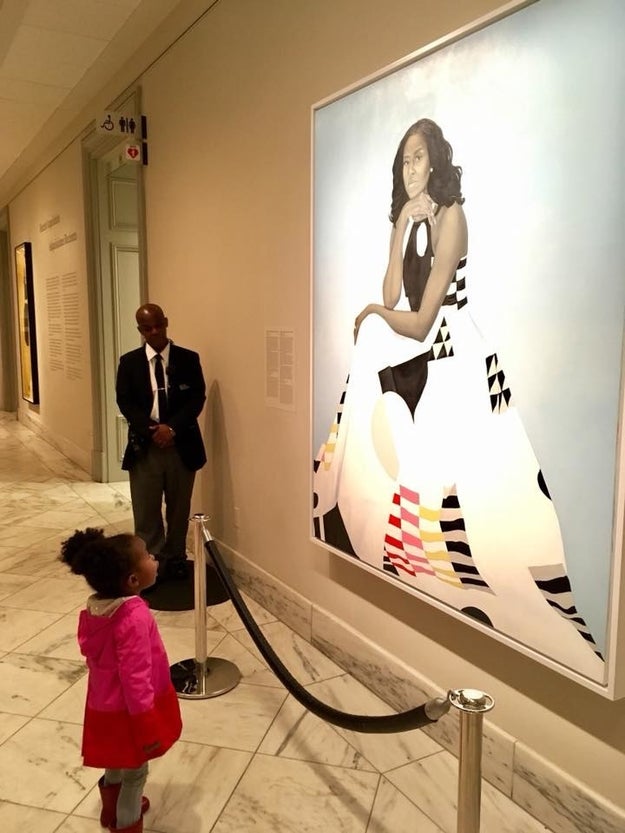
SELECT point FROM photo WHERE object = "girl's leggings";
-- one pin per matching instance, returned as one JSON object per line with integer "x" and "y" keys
{"x": 130, "y": 794}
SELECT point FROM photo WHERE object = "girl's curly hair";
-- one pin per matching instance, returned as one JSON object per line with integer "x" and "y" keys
{"x": 105, "y": 562}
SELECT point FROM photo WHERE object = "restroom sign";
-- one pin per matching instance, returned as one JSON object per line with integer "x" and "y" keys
{"x": 117, "y": 124}
{"x": 132, "y": 152}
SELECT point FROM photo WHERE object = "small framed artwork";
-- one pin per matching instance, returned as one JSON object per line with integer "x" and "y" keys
{"x": 467, "y": 332}
{"x": 26, "y": 322}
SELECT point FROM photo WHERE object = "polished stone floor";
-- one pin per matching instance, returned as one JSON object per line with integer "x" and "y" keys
{"x": 250, "y": 760}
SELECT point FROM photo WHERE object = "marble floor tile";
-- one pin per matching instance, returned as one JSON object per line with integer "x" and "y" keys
{"x": 79, "y": 517}
{"x": 18, "y": 626}
{"x": 75, "y": 824}
{"x": 432, "y": 784}
{"x": 278, "y": 796}
{"x": 10, "y": 583}
{"x": 50, "y": 546}
{"x": 78, "y": 824}
{"x": 250, "y": 760}
{"x": 19, "y": 537}
{"x": 106, "y": 502}
{"x": 28, "y": 684}
{"x": 29, "y": 507}
{"x": 40, "y": 565}
{"x": 52, "y": 595}
{"x": 121, "y": 486}
{"x": 305, "y": 662}
{"x": 11, "y": 559}
{"x": 99, "y": 493}
{"x": 188, "y": 788}
{"x": 180, "y": 642}
{"x": 14, "y": 818}
{"x": 229, "y": 619}
{"x": 298, "y": 734}
{"x": 68, "y": 707}
{"x": 184, "y": 619}
{"x": 40, "y": 766}
{"x": 385, "y": 751}
{"x": 393, "y": 812}
{"x": 9, "y": 725}
{"x": 18, "y": 511}
{"x": 57, "y": 640}
{"x": 238, "y": 719}
{"x": 253, "y": 670}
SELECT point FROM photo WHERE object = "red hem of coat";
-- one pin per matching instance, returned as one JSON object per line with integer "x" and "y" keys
{"x": 116, "y": 740}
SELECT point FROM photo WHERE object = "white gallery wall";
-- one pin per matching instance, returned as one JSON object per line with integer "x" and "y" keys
{"x": 49, "y": 213}
{"x": 228, "y": 214}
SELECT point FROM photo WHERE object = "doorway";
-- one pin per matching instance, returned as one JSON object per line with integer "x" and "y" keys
{"x": 117, "y": 287}
{"x": 120, "y": 285}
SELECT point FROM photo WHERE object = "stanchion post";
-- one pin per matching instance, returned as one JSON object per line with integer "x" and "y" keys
{"x": 199, "y": 590}
{"x": 202, "y": 676}
{"x": 472, "y": 705}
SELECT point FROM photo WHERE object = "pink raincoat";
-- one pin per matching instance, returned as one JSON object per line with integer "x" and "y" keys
{"x": 131, "y": 702}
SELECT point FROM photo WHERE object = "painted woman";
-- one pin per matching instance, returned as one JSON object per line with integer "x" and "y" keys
{"x": 428, "y": 474}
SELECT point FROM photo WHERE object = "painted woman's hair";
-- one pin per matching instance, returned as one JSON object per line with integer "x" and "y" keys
{"x": 444, "y": 181}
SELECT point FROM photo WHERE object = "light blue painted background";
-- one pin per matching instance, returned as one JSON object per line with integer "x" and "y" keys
{"x": 534, "y": 109}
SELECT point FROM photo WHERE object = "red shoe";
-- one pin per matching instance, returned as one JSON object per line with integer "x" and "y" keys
{"x": 109, "y": 794}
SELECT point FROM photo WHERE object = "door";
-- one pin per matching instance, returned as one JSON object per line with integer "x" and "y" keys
{"x": 120, "y": 292}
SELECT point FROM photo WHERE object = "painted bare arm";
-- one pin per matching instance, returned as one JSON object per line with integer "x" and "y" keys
{"x": 419, "y": 208}
{"x": 450, "y": 247}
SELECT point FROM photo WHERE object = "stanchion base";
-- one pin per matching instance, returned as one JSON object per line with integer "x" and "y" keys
{"x": 178, "y": 594}
{"x": 196, "y": 681}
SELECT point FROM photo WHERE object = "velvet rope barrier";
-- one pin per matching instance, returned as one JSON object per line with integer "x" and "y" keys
{"x": 415, "y": 718}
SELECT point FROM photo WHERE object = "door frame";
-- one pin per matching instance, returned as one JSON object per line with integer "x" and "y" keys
{"x": 95, "y": 146}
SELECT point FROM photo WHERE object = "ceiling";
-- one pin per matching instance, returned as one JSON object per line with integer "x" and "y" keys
{"x": 55, "y": 55}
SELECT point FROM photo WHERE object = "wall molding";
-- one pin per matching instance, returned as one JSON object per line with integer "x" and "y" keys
{"x": 545, "y": 791}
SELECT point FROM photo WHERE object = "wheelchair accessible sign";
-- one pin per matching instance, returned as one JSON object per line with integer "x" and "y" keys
{"x": 117, "y": 124}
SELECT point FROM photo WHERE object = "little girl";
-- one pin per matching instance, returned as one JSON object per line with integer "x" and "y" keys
{"x": 132, "y": 711}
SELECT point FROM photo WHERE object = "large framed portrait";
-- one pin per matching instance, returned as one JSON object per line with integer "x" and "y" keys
{"x": 468, "y": 308}
{"x": 27, "y": 328}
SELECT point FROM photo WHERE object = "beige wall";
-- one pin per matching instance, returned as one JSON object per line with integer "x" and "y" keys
{"x": 64, "y": 415}
{"x": 228, "y": 207}
{"x": 228, "y": 225}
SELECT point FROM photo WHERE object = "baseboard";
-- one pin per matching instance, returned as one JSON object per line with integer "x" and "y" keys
{"x": 67, "y": 449}
{"x": 552, "y": 796}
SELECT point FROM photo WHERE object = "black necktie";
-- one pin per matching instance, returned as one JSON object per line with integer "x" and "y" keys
{"x": 160, "y": 388}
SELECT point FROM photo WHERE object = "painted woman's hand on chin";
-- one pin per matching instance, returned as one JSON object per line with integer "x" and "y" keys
{"x": 421, "y": 207}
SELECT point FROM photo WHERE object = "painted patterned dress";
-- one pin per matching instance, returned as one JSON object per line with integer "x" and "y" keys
{"x": 428, "y": 476}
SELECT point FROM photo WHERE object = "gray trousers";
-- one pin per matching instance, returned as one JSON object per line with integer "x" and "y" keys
{"x": 158, "y": 474}
{"x": 129, "y": 800}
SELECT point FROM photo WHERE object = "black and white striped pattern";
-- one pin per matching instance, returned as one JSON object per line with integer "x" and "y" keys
{"x": 554, "y": 584}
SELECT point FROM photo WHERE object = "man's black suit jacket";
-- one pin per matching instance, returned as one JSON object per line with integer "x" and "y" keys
{"x": 186, "y": 396}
